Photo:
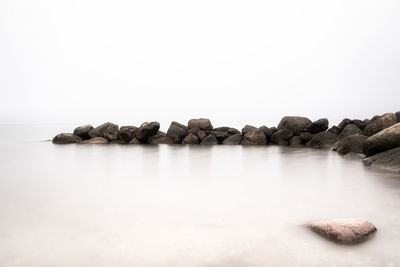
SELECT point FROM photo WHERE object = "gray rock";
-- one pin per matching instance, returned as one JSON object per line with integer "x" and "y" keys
{"x": 281, "y": 137}
{"x": 334, "y": 129}
{"x": 349, "y": 129}
{"x": 210, "y": 140}
{"x": 127, "y": 133}
{"x": 343, "y": 124}
{"x": 398, "y": 116}
{"x": 96, "y": 140}
{"x": 268, "y": 132}
{"x": 351, "y": 143}
{"x": 360, "y": 124}
{"x": 323, "y": 139}
{"x": 388, "y": 161}
{"x": 317, "y": 126}
{"x": 347, "y": 231}
{"x": 386, "y": 139}
{"x": 202, "y": 124}
{"x": 83, "y": 131}
{"x": 66, "y": 138}
{"x": 107, "y": 130}
{"x": 235, "y": 139}
{"x": 177, "y": 131}
{"x": 146, "y": 130}
{"x": 295, "y": 141}
{"x": 253, "y": 136}
{"x": 378, "y": 124}
{"x": 306, "y": 137}
{"x": 296, "y": 124}
{"x": 190, "y": 139}
{"x": 221, "y": 133}
{"x": 353, "y": 155}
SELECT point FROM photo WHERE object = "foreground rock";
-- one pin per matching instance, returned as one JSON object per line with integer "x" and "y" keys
{"x": 347, "y": 231}
{"x": 96, "y": 140}
{"x": 162, "y": 140}
{"x": 221, "y": 133}
{"x": 177, "y": 132}
{"x": 202, "y": 124}
{"x": 386, "y": 161}
{"x": 296, "y": 124}
{"x": 382, "y": 141}
{"x": 146, "y": 130}
{"x": 66, "y": 138}
{"x": 380, "y": 123}
{"x": 83, "y": 131}
{"x": 281, "y": 137}
{"x": 127, "y": 133}
{"x": 190, "y": 139}
{"x": 107, "y": 130}
{"x": 351, "y": 143}
{"x": 235, "y": 139}
{"x": 323, "y": 139}
{"x": 349, "y": 129}
{"x": 209, "y": 140}
{"x": 253, "y": 136}
{"x": 317, "y": 126}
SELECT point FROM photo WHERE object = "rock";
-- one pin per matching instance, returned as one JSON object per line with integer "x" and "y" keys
{"x": 360, "y": 124}
{"x": 127, "y": 133}
{"x": 83, "y": 131}
{"x": 382, "y": 141}
{"x": 177, "y": 131}
{"x": 334, "y": 129}
{"x": 388, "y": 161}
{"x": 162, "y": 140}
{"x": 203, "y": 124}
{"x": 317, "y": 126}
{"x": 134, "y": 141}
{"x": 353, "y": 155}
{"x": 66, "y": 138}
{"x": 253, "y": 136}
{"x": 295, "y": 141}
{"x": 107, "y": 130}
{"x": 268, "y": 132}
{"x": 281, "y": 137}
{"x": 378, "y": 124}
{"x": 296, "y": 124}
{"x": 201, "y": 135}
{"x": 235, "y": 139}
{"x": 153, "y": 138}
{"x": 194, "y": 130}
{"x": 221, "y": 133}
{"x": 348, "y": 231}
{"x": 351, "y": 143}
{"x": 146, "y": 130}
{"x": 323, "y": 139}
{"x": 96, "y": 140}
{"x": 349, "y": 129}
{"x": 398, "y": 116}
{"x": 190, "y": 139}
{"x": 210, "y": 140}
{"x": 343, "y": 124}
{"x": 305, "y": 137}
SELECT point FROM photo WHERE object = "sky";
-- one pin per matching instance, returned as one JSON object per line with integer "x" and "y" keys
{"x": 235, "y": 62}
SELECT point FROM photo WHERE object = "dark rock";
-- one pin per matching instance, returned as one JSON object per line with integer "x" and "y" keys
{"x": 296, "y": 124}
{"x": 210, "y": 140}
{"x": 194, "y": 130}
{"x": 201, "y": 135}
{"x": 235, "y": 139}
{"x": 248, "y": 128}
{"x": 107, "y": 130}
{"x": 388, "y": 161}
{"x": 190, "y": 139}
{"x": 96, "y": 140}
{"x": 134, "y": 141}
{"x": 177, "y": 131}
{"x": 323, "y": 139}
{"x": 66, "y": 138}
{"x": 221, "y": 133}
{"x": 351, "y": 143}
{"x": 127, "y": 133}
{"x": 334, "y": 129}
{"x": 398, "y": 116}
{"x": 317, "y": 126}
{"x": 360, "y": 124}
{"x": 153, "y": 138}
{"x": 306, "y": 137}
{"x": 203, "y": 124}
{"x": 349, "y": 129}
{"x": 382, "y": 141}
{"x": 146, "y": 130}
{"x": 281, "y": 137}
{"x": 295, "y": 141}
{"x": 343, "y": 124}
{"x": 83, "y": 131}
{"x": 253, "y": 136}
{"x": 378, "y": 124}
{"x": 348, "y": 231}
{"x": 162, "y": 140}
{"x": 268, "y": 132}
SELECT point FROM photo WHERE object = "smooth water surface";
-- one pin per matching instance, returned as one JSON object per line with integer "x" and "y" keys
{"x": 176, "y": 205}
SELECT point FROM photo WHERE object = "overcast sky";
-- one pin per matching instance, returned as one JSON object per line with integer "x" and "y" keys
{"x": 235, "y": 62}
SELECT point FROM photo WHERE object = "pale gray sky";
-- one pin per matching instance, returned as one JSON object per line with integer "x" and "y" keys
{"x": 235, "y": 62}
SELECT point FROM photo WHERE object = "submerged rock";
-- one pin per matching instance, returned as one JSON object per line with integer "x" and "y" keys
{"x": 202, "y": 124}
{"x": 353, "y": 155}
{"x": 351, "y": 143}
{"x": 323, "y": 139}
{"x": 382, "y": 141}
{"x": 235, "y": 139}
{"x": 386, "y": 161}
{"x": 162, "y": 140}
{"x": 83, "y": 131}
{"x": 378, "y": 124}
{"x": 296, "y": 124}
{"x": 348, "y": 231}
{"x": 295, "y": 141}
{"x": 96, "y": 140}
{"x": 317, "y": 126}
{"x": 66, "y": 138}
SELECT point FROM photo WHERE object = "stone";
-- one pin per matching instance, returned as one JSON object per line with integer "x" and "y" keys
{"x": 162, "y": 140}
{"x": 153, "y": 138}
{"x": 378, "y": 124}
{"x": 386, "y": 139}
{"x": 83, "y": 131}
{"x": 134, "y": 141}
{"x": 322, "y": 139}
{"x": 295, "y": 141}
{"x": 353, "y": 155}
{"x": 388, "y": 161}
{"x": 221, "y": 133}
{"x": 360, "y": 124}
{"x": 107, "y": 130}
{"x": 127, "y": 133}
{"x": 235, "y": 139}
{"x": 66, "y": 138}
{"x": 347, "y": 231}
{"x": 201, "y": 135}
{"x": 296, "y": 124}
{"x": 203, "y": 124}
{"x": 96, "y": 140}
{"x": 398, "y": 116}
{"x": 253, "y": 136}
{"x": 268, "y": 132}
{"x": 334, "y": 129}
{"x": 343, "y": 124}
{"x": 317, "y": 126}
{"x": 349, "y": 129}
{"x": 281, "y": 137}
{"x": 210, "y": 140}
{"x": 194, "y": 130}
{"x": 177, "y": 131}
{"x": 190, "y": 139}
{"x": 306, "y": 137}
{"x": 351, "y": 143}
{"x": 146, "y": 130}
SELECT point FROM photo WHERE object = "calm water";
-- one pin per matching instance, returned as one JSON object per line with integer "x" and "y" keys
{"x": 114, "y": 205}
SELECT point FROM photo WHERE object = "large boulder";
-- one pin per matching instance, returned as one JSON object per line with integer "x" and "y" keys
{"x": 83, "y": 131}
{"x": 202, "y": 124}
{"x": 360, "y": 124}
{"x": 107, "y": 130}
{"x": 343, "y": 124}
{"x": 221, "y": 133}
{"x": 253, "y": 136}
{"x": 384, "y": 140}
{"x": 296, "y": 124}
{"x": 378, "y": 124}
{"x": 281, "y": 137}
{"x": 349, "y": 129}
{"x": 235, "y": 139}
{"x": 388, "y": 161}
{"x": 295, "y": 141}
{"x": 323, "y": 139}
{"x": 177, "y": 131}
{"x": 209, "y": 140}
{"x": 306, "y": 137}
{"x": 268, "y": 132}
{"x": 347, "y": 231}
{"x": 127, "y": 133}
{"x": 96, "y": 140}
{"x": 66, "y": 138}
{"x": 317, "y": 126}
{"x": 190, "y": 139}
{"x": 146, "y": 130}
{"x": 351, "y": 143}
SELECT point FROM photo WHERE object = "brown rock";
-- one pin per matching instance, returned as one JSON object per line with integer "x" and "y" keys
{"x": 296, "y": 124}
{"x": 378, "y": 124}
{"x": 96, "y": 140}
{"x": 203, "y": 124}
{"x": 384, "y": 140}
{"x": 163, "y": 140}
{"x": 127, "y": 133}
{"x": 83, "y": 131}
{"x": 190, "y": 139}
{"x": 351, "y": 143}
{"x": 66, "y": 138}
